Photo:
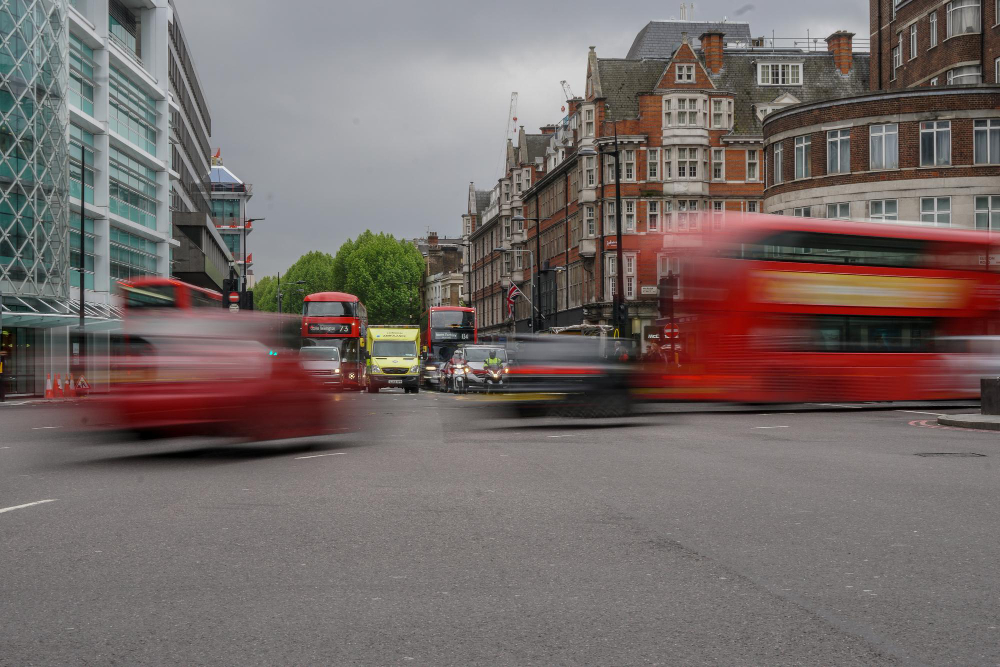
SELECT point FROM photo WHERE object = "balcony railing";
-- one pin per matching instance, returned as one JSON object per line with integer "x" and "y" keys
{"x": 232, "y": 187}
{"x": 117, "y": 41}
{"x": 806, "y": 43}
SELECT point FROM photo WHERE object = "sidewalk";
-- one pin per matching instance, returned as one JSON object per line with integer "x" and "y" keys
{"x": 976, "y": 421}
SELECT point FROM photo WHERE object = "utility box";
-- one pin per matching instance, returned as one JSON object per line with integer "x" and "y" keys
{"x": 990, "y": 395}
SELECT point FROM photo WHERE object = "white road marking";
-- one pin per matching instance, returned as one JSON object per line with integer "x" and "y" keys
{"x": 20, "y": 403}
{"x": 918, "y": 412}
{"x": 17, "y": 507}
{"x": 559, "y": 436}
{"x": 38, "y": 428}
{"x": 316, "y": 456}
{"x": 770, "y": 427}
{"x": 837, "y": 405}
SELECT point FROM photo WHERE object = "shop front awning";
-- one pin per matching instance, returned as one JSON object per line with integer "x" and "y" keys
{"x": 49, "y": 312}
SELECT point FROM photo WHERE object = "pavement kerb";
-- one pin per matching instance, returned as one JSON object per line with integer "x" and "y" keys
{"x": 976, "y": 421}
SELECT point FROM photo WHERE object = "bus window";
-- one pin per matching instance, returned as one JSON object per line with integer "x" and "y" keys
{"x": 328, "y": 309}
{"x": 820, "y": 248}
{"x": 443, "y": 319}
{"x": 150, "y": 296}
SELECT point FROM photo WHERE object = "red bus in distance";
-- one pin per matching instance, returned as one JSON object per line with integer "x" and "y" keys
{"x": 447, "y": 328}
{"x": 777, "y": 309}
{"x": 153, "y": 293}
{"x": 338, "y": 319}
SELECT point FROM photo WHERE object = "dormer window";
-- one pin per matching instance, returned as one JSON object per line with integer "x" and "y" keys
{"x": 685, "y": 73}
{"x": 779, "y": 74}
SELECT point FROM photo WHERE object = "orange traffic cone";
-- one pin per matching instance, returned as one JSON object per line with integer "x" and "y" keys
{"x": 48, "y": 386}
{"x": 57, "y": 389}
{"x": 70, "y": 387}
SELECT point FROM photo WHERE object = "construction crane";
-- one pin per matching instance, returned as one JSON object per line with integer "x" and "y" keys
{"x": 566, "y": 90}
{"x": 509, "y": 131}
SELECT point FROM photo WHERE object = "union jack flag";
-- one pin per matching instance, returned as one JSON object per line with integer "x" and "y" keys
{"x": 511, "y": 295}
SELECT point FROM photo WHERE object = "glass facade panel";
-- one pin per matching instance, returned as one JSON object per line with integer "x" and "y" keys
{"x": 132, "y": 190}
{"x": 131, "y": 256}
{"x": 81, "y": 140}
{"x": 81, "y": 75}
{"x": 226, "y": 208}
{"x": 131, "y": 111}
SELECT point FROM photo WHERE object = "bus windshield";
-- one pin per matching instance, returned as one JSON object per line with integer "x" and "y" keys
{"x": 150, "y": 296}
{"x": 394, "y": 348}
{"x": 328, "y": 309}
{"x": 447, "y": 319}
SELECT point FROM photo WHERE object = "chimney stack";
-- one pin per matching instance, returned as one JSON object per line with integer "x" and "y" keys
{"x": 432, "y": 238}
{"x": 711, "y": 46}
{"x": 841, "y": 45}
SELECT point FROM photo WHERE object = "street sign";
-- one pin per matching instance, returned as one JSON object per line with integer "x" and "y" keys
{"x": 234, "y": 308}
{"x": 671, "y": 331}
{"x": 648, "y": 290}
{"x": 234, "y": 297}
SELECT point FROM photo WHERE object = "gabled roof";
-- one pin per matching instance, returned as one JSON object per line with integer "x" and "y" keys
{"x": 536, "y": 145}
{"x": 820, "y": 78}
{"x": 482, "y": 202}
{"x": 659, "y": 39}
{"x": 622, "y": 80}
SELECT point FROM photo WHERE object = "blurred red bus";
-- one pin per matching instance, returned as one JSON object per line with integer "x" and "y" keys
{"x": 447, "y": 328}
{"x": 338, "y": 319}
{"x": 783, "y": 309}
{"x": 156, "y": 292}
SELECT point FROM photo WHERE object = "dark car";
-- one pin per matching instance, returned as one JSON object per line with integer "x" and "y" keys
{"x": 570, "y": 375}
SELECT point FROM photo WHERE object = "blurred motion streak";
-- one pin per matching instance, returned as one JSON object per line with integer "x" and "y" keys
{"x": 788, "y": 309}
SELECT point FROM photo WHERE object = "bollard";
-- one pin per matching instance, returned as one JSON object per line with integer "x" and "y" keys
{"x": 990, "y": 395}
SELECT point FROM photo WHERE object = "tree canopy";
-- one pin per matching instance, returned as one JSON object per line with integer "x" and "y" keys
{"x": 382, "y": 271}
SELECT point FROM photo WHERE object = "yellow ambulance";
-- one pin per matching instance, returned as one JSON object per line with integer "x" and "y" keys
{"x": 393, "y": 360}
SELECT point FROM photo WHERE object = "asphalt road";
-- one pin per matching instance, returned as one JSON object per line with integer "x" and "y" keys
{"x": 444, "y": 534}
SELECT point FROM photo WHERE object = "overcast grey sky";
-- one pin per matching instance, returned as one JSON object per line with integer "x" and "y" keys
{"x": 355, "y": 115}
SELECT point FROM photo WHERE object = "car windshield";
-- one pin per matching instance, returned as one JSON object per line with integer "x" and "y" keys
{"x": 483, "y": 353}
{"x": 320, "y": 353}
{"x": 394, "y": 348}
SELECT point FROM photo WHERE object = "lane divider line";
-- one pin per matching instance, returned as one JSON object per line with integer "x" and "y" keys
{"x": 17, "y": 507}
{"x": 316, "y": 456}
{"x": 770, "y": 427}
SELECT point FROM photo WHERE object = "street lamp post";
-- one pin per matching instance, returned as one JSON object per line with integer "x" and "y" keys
{"x": 83, "y": 245}
{"x": 245, "y": 223}
{"x": 618, "y": 303}
{"x": 297, "y": 282}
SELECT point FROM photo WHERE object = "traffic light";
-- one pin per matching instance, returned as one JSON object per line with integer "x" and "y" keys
{"x": 667, "y": 292}
{"x": 623, "y": 315}
{"x": 246, "y": 300}
{"x": 228, "y": 285}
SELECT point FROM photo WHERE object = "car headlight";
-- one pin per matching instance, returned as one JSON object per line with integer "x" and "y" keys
{"x": 506, "y": 370}
{"x": 337, "y": 371}
{"x": 376, "y": 369}
{"x": 430, "y": 367}
{"x": 414, "y": 369}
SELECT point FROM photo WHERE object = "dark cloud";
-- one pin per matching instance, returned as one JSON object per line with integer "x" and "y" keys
{"x": 355, "y": 115}
{"x": 744, "y": 9}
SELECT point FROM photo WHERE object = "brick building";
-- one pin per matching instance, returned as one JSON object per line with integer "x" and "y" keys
{"x": 444, "y": 282}
{"x": 933, "y": 43}
{"x": 690, "y": 141}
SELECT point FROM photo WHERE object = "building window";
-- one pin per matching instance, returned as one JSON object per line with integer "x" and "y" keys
{"x": 838, "y": 211}
{"x": 936, "y": 210}
{"x": 652, "y": 216}
{"x": 752, "y": 207}
{"x": 963, "y": 17}
{"x": 779, "y": 74}
{"x": 629, "y": 165}
{"x": 883, "y": 146}
{"x": 131, "y": 112}
{"x": 722, "y": 114}
{"x": 803, "y": 157}
{"x": 779, "y": 155}
{"x": 668, "y": 112}
{"x": 81, "y": 139}
{"x": 753, "y": 173}
{"x": 968, "y": 74}
{"x": 882, "y": 209}
{"x": 517, "y": 182}
{"x": 81, "y": 75}
{"x": 897, "y": 56}
{"x": 610, "y": 275}
{"x": 913, "y": 41}
{"x": 988, "y": 212}
{"x": 687, "y": 163}
{"x": 609, "y": 168}
{"x": 629, "y": 216}
{"x": 590, "y": 171}
{"x": 688, "y": 110}
{"x": 588, "y": 122}
{"x": 685, "y": 73}
{"x": 610, "y": 222}
{"x": 935, "y": 143}
{"x": 131, "y": 189}
{"x": 987, "y": 141}
{"x": 629, "y": 276}
{"x": 838, "y": 151}
{"x": 506, "y": 228}
{"x": 932, "y": 22}
{"x": 589, "y": 222}
{"x": 934, "y": 81}
{"x": 668, "y": 170}
{"x": 718, "y": 164}
{"x": 687, "y": 215}
{"x": 653, "y": 164}
{"x": 131, "y": 256}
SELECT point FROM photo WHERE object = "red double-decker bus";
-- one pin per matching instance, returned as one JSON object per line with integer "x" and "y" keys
{"x": 783, "y": 309}
{"x": 338, "y": 319}
{"x": 447, "y": 328}
{"x": 154, "y": 292}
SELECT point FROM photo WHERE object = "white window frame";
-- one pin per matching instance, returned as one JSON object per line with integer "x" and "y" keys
{"x": 883, "y": 136}
{"x": 609, "y": 167}
{"x": 719, "y": 160}
{"x": 932, "y": 29}
{"x": 722, "y": 113}
{"x": 877, "y": 209}
{"x": 803, "y": 150}
{"x": 986, "y": 128}
{"x": 933, "y": 128}
{"x": 913, "y": 41}
{"x": 973, "y": 7}
{"x": 839, "y": 211}
{"x": 755, "y": 163}
{"x": 668, "y": 164}
{"x": 652, "y": 215}
{"x": 788, "y": 74}
{"x": 836, "y": 142}
{"x": 801, "y": 211}
{"x": 688, "y": 108}
{"x": 653, "y": 164}
{"x": 668, "y": 112}
{"x": 685, "y": 73}
{"x": 987, "y": 209}
{"x": 931, "y": 210}
{"x": 628, "y": 216}
{"x": 692, "y": 156}
{"x": 934, "y": 81}
{"x": 506, "y": 227}
{"x": 588, "y": 122}
{"x": 779, "y": 157}
{"x": 967, "y": 74}
{"x": 590, "y": 171}
{"x": 753, "y": 206}
{"x": 629, "y": 276}
{"x": 628, "y": 165}
{"x": 610, "y": 220}
{"x": 610, "y": 274}
{"x": 897, "y": 56}
{"x": 589, "y": 221}
{"x": 667, "y": 215}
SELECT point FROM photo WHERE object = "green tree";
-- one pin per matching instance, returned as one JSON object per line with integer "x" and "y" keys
{"x": 314, "y": 269}
{"x": 385, "y": 273}
{"x": 265, "y": 294}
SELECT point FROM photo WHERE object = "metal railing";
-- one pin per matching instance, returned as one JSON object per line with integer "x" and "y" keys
{"x": 807, "y": 43}
{"x": 117, "y": 41}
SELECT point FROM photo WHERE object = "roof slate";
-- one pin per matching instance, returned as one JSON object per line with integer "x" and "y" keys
{"x": 482, "y": 201}
{"x": 821, "y": 79}
{"x": 623, "y": 80}
{"x": 536, "y": 144}
{"x": 659, "y": 39}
